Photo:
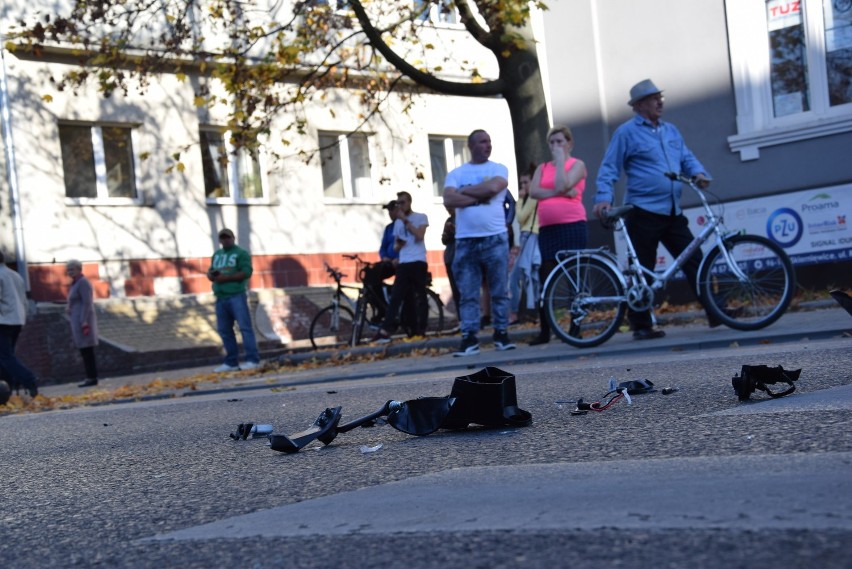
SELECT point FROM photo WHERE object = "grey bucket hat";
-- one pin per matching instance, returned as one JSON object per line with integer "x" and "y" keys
{"x": 641, "y": 90}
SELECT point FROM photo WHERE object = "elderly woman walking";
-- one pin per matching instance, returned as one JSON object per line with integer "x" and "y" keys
{"x": 84, "y": 322}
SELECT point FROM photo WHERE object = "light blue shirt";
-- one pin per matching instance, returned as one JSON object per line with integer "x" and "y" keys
{"x": 645, "y": 153}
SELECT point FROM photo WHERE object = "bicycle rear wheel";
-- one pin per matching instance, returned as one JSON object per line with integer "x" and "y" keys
{"x": 434, "y": 315}
{"x": 584, "y": 302}
{"x": 332, "y": 326}
{"x": 758, "y": 299}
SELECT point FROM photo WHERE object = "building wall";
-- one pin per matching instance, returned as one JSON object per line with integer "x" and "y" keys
{"x": 598, "y": 49}
{"x": 161, "y": 245}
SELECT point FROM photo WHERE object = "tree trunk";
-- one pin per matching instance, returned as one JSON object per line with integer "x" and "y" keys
{"x": 524, "y": 93}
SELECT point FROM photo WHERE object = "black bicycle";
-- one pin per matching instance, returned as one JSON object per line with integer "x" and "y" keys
{"x": 347, "y": 319}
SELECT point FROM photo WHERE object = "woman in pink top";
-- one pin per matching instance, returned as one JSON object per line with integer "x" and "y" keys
{"x": 558, "y": 186}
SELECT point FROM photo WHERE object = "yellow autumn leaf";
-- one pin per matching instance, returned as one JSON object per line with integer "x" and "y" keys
{"x": 47, "y": 98}
{"x": 180, "y": 167}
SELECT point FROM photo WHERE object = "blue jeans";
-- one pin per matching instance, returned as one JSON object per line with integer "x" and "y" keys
{"x": 474, "y": 257}
{"x": 230, "y": 310}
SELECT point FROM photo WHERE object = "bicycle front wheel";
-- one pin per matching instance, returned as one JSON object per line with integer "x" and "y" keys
{"x": 584, "y": 302}
{"x": 332, "y": 326}
{"x": 360, "y": 321}
{"x": 754, "y": 295}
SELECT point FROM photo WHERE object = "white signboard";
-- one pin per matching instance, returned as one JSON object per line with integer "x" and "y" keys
{"x": 782, "y": 14}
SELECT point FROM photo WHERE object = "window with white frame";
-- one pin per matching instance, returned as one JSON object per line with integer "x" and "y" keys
{"x": 97, "y": 163}
{"x": 437, "y": 12}
{"x": 346, "y": 166}
{"x": 446, "y": 153}
{"x": 337, "y": 5}
{"x": 792, "y": 70}
{"x": 231, "y": 175}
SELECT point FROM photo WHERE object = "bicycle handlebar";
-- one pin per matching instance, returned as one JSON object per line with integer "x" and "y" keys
{"x": 613, "y": 213}
{"x": 335, "y": 274}
{"x": 680, "y": 177}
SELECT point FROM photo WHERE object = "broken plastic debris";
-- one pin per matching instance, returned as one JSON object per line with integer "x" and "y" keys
{"x": 246, "y": 430}
{"x": 366, "y": 450}
{"x": 669, "y": 390}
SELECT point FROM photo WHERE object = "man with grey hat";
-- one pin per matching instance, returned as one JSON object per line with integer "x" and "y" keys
{"x": 645, "y": 148}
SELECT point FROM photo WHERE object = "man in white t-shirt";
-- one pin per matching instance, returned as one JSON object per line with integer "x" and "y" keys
{"x": 412, "y": 273}
{"x": 477, "y": 191}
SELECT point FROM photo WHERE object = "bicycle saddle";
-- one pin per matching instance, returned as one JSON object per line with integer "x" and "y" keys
{"x": 614, "y": 213}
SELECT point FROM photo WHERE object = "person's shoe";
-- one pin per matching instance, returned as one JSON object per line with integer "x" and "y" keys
{"x": 88, "y": 383}
{"x": 249, "y": 365}
{"x": 648, "y": 334}
{"x": 540, "y": 339}
{"x": 502, "y": 342}
{"x": 485, "y": 321}
{"x": 381, "y": 337}
{"x": 469, "y": 346}
{"x": 225, "y": 367}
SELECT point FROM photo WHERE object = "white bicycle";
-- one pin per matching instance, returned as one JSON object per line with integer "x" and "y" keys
{"x": 746, "y": 281}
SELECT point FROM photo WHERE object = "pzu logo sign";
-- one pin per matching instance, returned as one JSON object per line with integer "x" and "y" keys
{"x": 784, "y": 227}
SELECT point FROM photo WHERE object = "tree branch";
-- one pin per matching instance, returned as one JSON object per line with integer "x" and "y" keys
{"x": 374, "y": 36}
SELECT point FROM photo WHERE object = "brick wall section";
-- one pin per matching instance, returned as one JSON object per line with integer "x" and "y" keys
{"x": 150, "y": 334}
{"x": 48, "y": 282}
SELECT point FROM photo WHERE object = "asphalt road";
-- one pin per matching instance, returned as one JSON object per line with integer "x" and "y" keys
{"x": 693, "y": 479}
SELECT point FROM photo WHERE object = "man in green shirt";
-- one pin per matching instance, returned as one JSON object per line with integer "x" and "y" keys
{"x": 229, "y": 272}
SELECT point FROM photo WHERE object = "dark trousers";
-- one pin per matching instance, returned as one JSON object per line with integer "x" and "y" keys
{"x": 17, "y": 371}
{"x": 373, "y": 279}
{"x": 449, "y": 255}
{"x": 409, "y": 286}
{"x": 647, "y": 230}
{"x": 89, "y": 362}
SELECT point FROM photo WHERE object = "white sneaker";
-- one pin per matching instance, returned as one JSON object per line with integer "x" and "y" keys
{"x": 249, "y": 365}
{"x": 225, "y": 367}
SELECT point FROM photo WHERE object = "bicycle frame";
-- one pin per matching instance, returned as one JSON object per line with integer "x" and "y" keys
{"x": 636, "y": 273}
{"x": 715, "y": 226}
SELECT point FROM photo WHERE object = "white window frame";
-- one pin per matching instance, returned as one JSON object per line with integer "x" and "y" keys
{"x": 234, "y": 186}
{"x": 757, "y": 127}
{"x": 99, "y": 155}
{"x": 346, "y": 169}
{"x": 436, "y": 15}
{"x": 449, "y": 156}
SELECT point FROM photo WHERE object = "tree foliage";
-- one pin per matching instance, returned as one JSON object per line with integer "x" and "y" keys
{"x": 266, "y": 59}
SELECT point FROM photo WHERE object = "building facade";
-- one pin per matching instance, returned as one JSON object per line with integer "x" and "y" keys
{"x": 137, "y": 185}
{"x": 760, "y": 89}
